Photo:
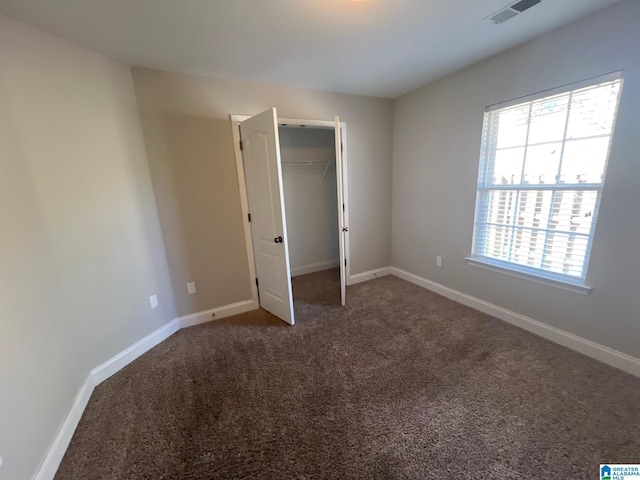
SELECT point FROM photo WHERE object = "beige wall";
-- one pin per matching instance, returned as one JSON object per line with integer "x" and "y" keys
{"x": 81, "y": 249}
{"x": 185, "y": 119}
{"x": 437, "y": 133}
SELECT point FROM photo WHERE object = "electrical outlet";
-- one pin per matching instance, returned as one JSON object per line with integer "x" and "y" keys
{"x": 191, "y": 288}
{"x": 153, "y": 301}
{"x": 438, "y": 261}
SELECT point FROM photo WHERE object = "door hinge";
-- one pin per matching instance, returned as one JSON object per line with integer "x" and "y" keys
{"x": 341, "y": 147}
{"x": 343, "y": 207}
{"x": 249, "y": 215}
{"x": 257, "y": 283}
{"x": 241, "y": 146}
{"x": 345, "y": 262}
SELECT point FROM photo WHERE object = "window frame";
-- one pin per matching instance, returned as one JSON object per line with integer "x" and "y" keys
{"x": 487, "y": 161}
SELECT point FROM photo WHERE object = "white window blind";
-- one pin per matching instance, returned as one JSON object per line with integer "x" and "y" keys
{"x": 542, "y": 170}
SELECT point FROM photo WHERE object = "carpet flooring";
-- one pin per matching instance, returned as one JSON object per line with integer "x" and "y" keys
{"x": 400, "y": 384}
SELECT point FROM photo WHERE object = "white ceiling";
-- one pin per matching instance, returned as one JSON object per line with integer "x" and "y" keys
{"x": 382, "y": 48}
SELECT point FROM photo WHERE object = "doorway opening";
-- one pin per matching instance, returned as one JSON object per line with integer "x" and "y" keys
{"x": 311, "y": 208}
{"x": 293, "y": 188}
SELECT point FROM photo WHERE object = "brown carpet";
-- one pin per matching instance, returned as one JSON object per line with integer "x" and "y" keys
{"x": 401, "y": 384}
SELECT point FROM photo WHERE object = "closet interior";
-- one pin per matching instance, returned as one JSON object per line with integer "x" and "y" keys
{"x": 308, "y": 157}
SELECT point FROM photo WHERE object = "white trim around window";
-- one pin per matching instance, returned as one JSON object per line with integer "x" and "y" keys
{"x": 542, "y": 170}
{"x": 500, "y": 267}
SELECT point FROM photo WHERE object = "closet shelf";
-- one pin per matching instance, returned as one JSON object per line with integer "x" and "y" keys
{"x": 306, "y": 162}
{"x": 310, "y": 163}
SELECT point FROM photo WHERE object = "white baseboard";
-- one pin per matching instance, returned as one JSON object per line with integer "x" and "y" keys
{"x": 594, "y": 350}
{"x": 314, "y": 267}
{"x": 58, "y": 447}
{"x": 217, "y": 313}
{"x": 370, "y": 275}
{"x": 128, "y": 355}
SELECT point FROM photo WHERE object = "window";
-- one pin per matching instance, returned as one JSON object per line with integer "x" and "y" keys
{"x": 542, "y": 170}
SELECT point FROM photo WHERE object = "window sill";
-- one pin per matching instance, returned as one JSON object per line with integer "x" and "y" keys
{"x": 488, "y": 265}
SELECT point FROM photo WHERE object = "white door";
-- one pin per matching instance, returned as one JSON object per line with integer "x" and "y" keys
{"x": 342, "y": 228}
{"x": 263, "y": 173}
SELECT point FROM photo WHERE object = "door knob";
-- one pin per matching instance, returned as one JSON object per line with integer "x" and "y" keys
{"x": 278, "y": 240}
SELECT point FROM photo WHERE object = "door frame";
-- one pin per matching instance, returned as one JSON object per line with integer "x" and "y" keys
{"x": 244, "y": 201}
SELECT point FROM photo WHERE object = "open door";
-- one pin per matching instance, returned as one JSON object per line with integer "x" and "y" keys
{"x": 342, "y": 228}
{"x": 263, "y": 173}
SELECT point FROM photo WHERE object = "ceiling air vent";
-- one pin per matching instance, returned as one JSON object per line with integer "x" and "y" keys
{"x": 513, "y": 10}
{"x": 503, "y": 16}
{"x": 523, "y": 5}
